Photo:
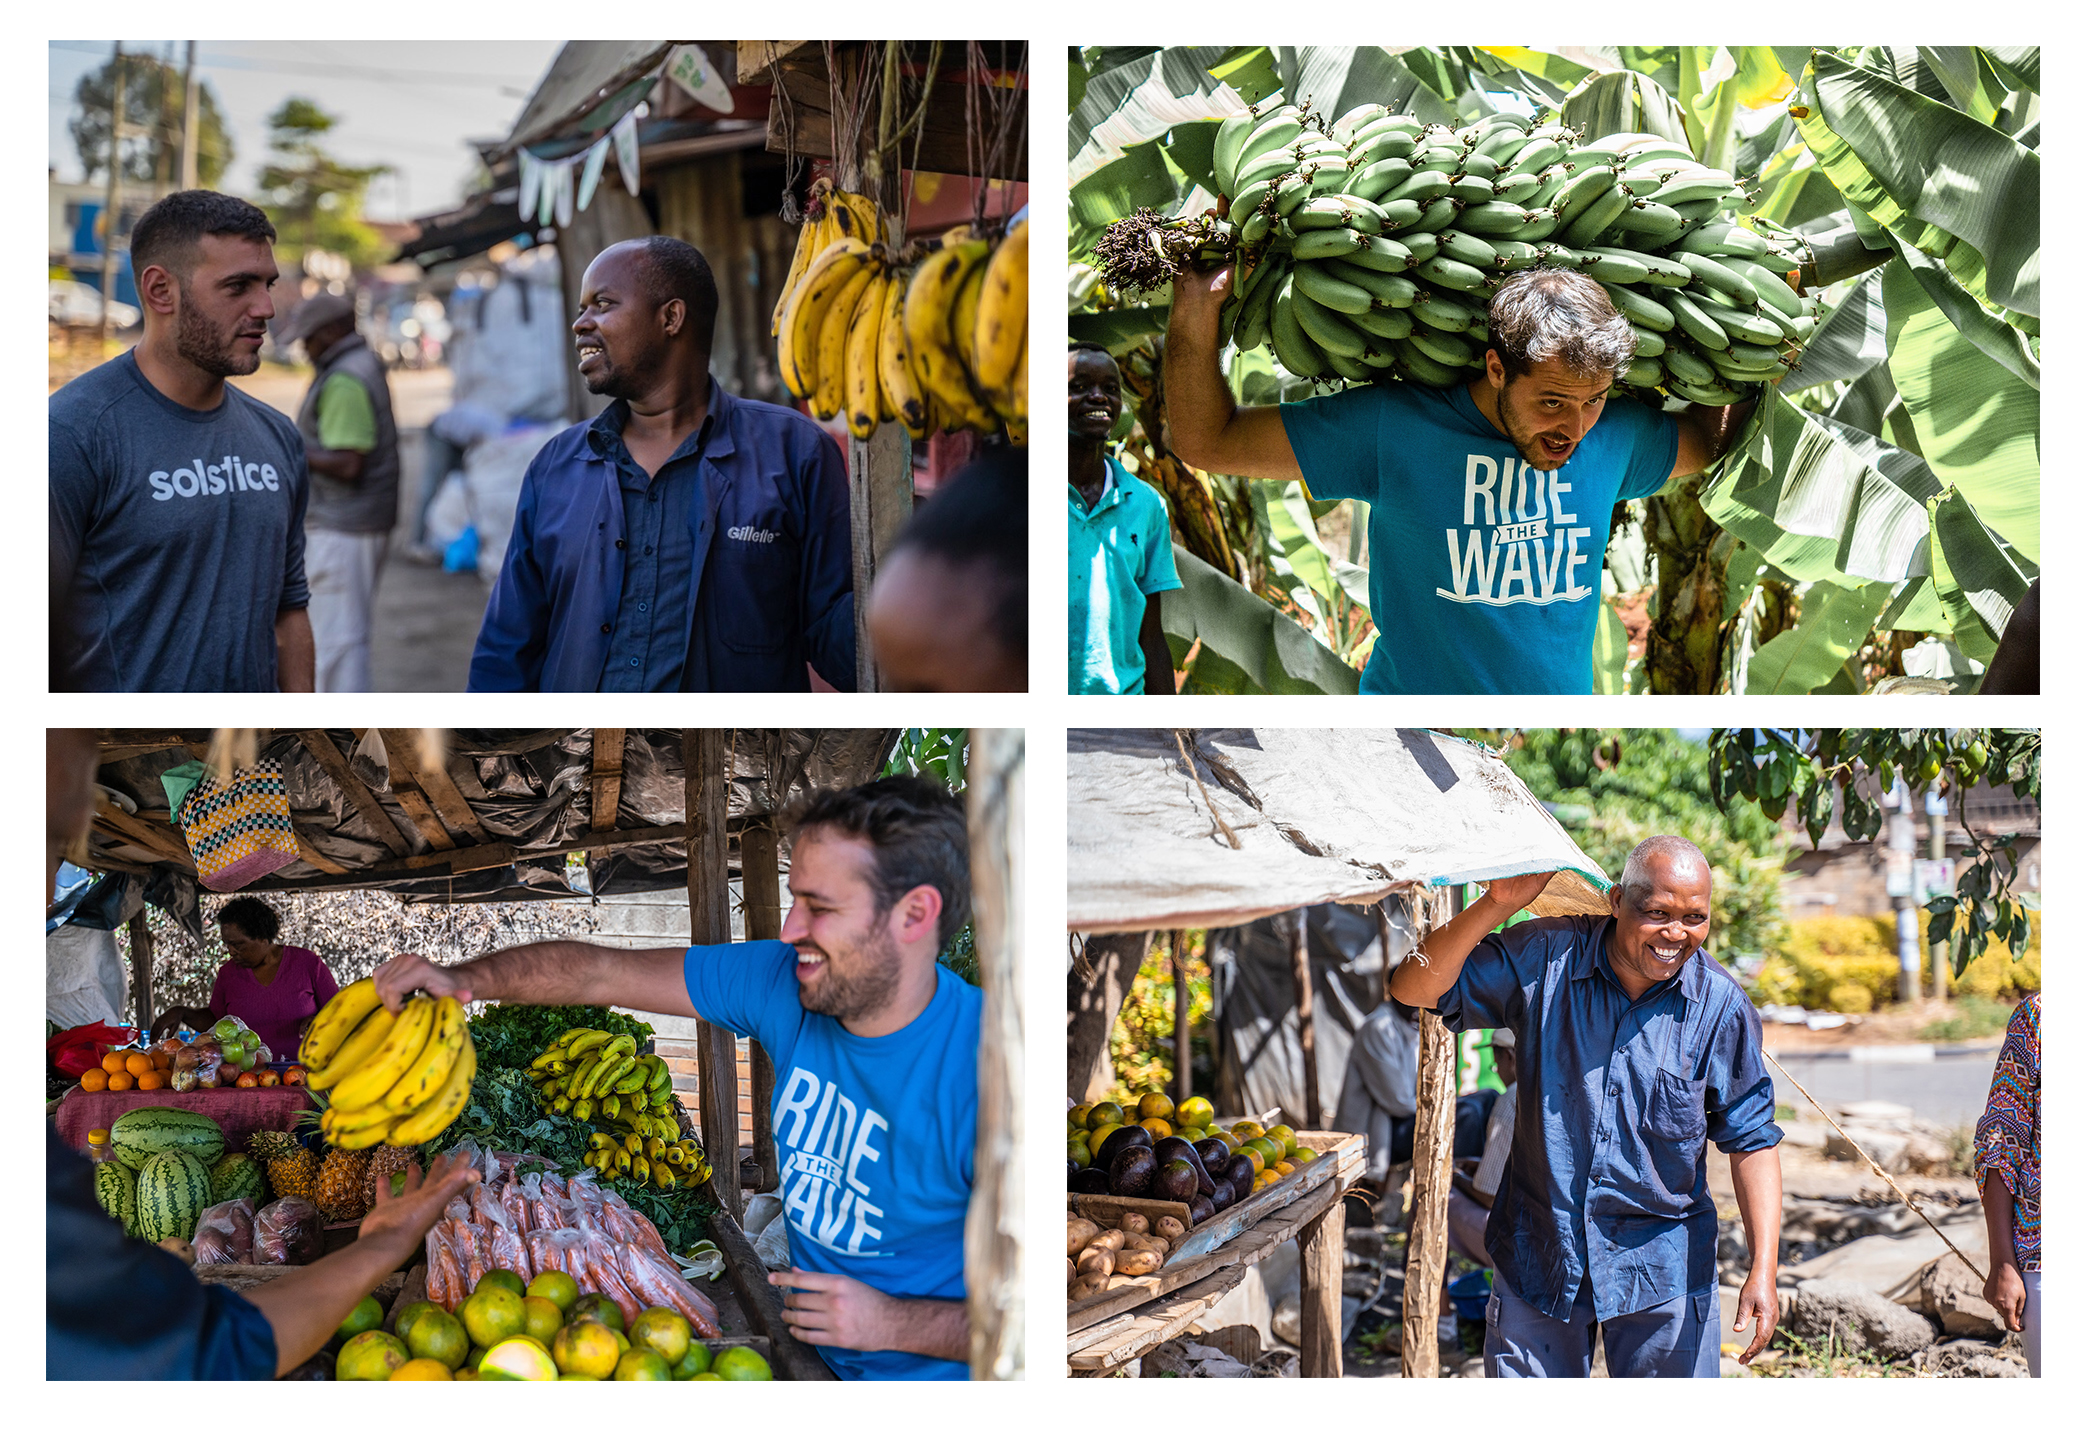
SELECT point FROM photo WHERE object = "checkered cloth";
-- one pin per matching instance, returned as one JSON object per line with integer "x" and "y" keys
{"x": 240, "y": 831}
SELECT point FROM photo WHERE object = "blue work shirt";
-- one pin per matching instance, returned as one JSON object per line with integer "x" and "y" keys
{"x": 877, "y": 1137}
{"x": 1484, "y": 573}
{"x": 770, "y": 582}
{"x": 649, "y": 647}
{"x": 1607, "y": 1179}
{"x": 1122, "y": 555}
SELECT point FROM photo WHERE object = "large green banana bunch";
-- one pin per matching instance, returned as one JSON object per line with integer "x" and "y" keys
{"x": 1368, "y": 247}
{"x": 595, "y": 1077}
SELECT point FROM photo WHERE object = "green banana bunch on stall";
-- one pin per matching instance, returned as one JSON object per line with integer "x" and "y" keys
{"x": 594, "y": 1077}
{"x": 1368, "y": 247}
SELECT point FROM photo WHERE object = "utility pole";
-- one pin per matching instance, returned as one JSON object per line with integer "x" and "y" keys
{"x": 108, "y": 208}
{"x": 190, "y": 105}
{"x": 1937, "y": 849}
{"x": 1898, "y": 880}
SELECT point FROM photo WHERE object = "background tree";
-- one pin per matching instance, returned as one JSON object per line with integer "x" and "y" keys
{"x": 153, "y": 100}
{"x": 314, "y": 200}
{"x": 1613, "y": 788}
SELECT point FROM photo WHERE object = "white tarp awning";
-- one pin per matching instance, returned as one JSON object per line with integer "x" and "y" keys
{"x": 1320, "y": 815}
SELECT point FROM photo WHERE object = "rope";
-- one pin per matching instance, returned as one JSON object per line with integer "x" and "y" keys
{"x": 1229, "y": 833}
{"x": 1906, "y": 1197}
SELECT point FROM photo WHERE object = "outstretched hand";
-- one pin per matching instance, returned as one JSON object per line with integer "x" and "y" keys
{"x": 1512, "y": 893}
{"x": 412, "y": 1212}
{"x": 402, "y": 974}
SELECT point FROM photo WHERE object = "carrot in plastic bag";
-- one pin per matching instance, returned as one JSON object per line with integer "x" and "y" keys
{"x": 445, "y": 1274}
{"x": 515, "y": 1204}
{"x": 658, "y": 1283}
{"x": 630, "y": 1225}
{"x": 475, "y": 1244}
{"x": 605, "y": 1275}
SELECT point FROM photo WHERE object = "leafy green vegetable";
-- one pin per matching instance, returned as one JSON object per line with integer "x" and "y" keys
{"x": 508, "y": 1036}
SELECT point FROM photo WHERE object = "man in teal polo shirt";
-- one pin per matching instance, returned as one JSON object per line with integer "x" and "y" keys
{"x": 1121, "y": 546}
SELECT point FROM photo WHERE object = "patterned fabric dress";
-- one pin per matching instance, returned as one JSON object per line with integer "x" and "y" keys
{"x": 2009, "y": 1136}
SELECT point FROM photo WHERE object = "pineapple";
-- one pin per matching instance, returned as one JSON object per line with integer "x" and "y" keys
{"x": 384, "y": 1162}
{"x": 293, "y": 1170}
{"x": 341, "y": 1177}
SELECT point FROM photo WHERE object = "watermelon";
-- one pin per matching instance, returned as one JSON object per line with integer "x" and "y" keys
{"x": 117, "y": 1188}
{"x": 141, "y": 1133}
{"x": 237, "y": 1176}
{"x": 173, "y": 1191}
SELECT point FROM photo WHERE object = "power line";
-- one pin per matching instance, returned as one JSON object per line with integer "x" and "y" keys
{"x": 507, "y": 85}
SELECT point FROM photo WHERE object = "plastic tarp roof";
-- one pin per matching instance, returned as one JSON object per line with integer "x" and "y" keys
{"x": 1319, "y": 815}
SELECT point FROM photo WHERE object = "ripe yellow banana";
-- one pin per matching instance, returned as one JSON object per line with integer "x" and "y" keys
{"x": 894, "y": 368}
{"x": 929, "y": 304}
{"x": 863, "y": 327}
{"x": 830, "y": 273}
{"x": 369, "y": 1136}
{"x": 439, "y": 1112}
{"x": 400, "y": 1049}
{"x": 830, "y": 392}
{"x": 364, "y": 1042}
{"x": 1017, "y": 410}
{"x": 347, "y": 1009}
{"x": 1000, "y": 335}
{"x": 338, "y": 1123}
{"x": 811, "y": 238}
{"x": 867, "y": 217}
{"x": 425, "y": 1078}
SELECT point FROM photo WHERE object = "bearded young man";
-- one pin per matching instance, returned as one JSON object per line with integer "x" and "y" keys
{"x": 177, "y": 502}
{"x": 1515, "y": 474}
{"x": 875, "y": 1047}
{"x": 685, "y": 539}
{"x": 1635, "y": 1051}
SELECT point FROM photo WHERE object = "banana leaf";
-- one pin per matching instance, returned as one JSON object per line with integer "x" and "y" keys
{"x": 1611, "y": 655}
{"x": 1250, "y": 71}
{"x": 1247, "y": 646}
{"x": 1141, "y": 100}
{"x": 1967, "y": 78}
{"x": 1979, "y": 426}
{"x": 1852, "y": 339}
{"x": 1115, "y": 328}
{"x": 1977, "y": 580}
{"x": 1814, "y": 653}
{"x": 2019, "y": 65}
{"x": 1623, "y": 102}
{"x": 1997, "y": 339}
{"x": 1901, "y": 156}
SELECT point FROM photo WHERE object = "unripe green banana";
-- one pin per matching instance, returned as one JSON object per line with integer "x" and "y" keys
{"x": 1422, "y": 246}
{"x": 1330, "y": 291}
{"x": 1699, "y": 326}
{"x": 1615, "y": 266}
{"x": 1384, "y": 323}
{"x": 1293, "y": 347}
{"x": 1771, "y": 289}
{"x": 1713, "y": 275}
{"x": 1494, "y": 217}
{"x": 1252, "y": 198}
{"x": 1645, "y": 373}
{"x": 1424, "y": 187}
{"x": 1326, "y": 328}
{"x": 1542, "y": 223}
{"x": 1280, "y": 129}
{"x": 1442, "y": 313}
{"x": 1421, "y": 369}
{"x": 1339, "y": 211}
{"x": 1536, "y": 155}
{"x": 1517, "y": 188}
{"x": 1756, "y": 325}
{"x": 1378, "y": 179}
{"x": 1352, "y": 369}
{"x": 1327, "y": 244}
{"x": 1224, "y": 156}
{"x": 1448, "y": 273}
{"x": 1684, "y": 187}
{"x": 1444, "y": 348}
{"x": 1292, "y": 193}
{"x": 1355, "y": 120}
{"x": 1466, "y": 248}
{"x": 1649, "y": 344}
{"x": 1513, "y": 254}
{"x": 1471, "y": 190}
{"x": 1661, "y": 271}
{"x": 1437, "y": 215}
{"x": 1684, "y": 366}
{"x": 1722, "y": 237}
{"x": 1480, "y": 165}
{"x": 1708, "y": 395}
{"x": 1580, "y": 191}
{"x": 1600, "y": 211}
{"x": 1385, "y": 144}
{"x": 1387, "y": 255}
{"x": 1643, "y": 311}
{"x": 1554, "y": 179}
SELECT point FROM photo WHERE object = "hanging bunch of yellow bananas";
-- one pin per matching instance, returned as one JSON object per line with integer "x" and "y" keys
{"x": 934, "y": 346}
{"x": 395, "y": 1079}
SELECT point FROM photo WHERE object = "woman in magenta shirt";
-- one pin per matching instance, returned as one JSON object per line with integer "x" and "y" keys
{"x": 275, "y": 988}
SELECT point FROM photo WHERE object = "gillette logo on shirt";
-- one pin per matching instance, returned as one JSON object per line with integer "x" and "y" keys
{"x": 750, "y": 534}
{"x": 199, "y": 478}
{"x": 1517, "y": 541}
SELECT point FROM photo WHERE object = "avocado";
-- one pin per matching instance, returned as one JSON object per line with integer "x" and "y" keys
{"x": 1239, "y": 1170}
{"x": 1200, "y": 1208}
{"x": 1090, "y": 1180}
{"x": 1214, "y": 1153}
{"x": 1130, "y": 1136}
{"x": 1223, "y": 1195}
{"x": 1169, "y": 1149}
{"x": 1130, "y": 1174}
{"x": 1176, "y": 1182}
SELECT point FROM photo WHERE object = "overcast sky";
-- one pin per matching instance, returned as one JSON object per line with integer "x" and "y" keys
{"x": 410, "y": 105}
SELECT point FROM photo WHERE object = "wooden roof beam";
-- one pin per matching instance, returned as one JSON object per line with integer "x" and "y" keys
{"x": 434, "y": 779}
{"x": 405, "y": 788}
{"x": 608, "y": 775}
{"x": 359, "y": 795}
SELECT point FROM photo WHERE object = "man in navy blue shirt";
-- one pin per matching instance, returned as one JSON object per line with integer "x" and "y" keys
{"x": 685, "y": 539}
{"x": 1635, "y": 1051}
{"x": 875, "y": 1046}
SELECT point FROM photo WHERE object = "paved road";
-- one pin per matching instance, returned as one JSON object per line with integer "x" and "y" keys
{"x": 1948, "y": 1090}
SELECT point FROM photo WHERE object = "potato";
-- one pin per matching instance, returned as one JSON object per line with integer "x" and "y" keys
{"x": 1111, "y": 1240}
{"x": 1088, "y": 1287}
{"x": 1096, "y": 1260}
{"x": 1139, "y": 1262}
{"x": 1135, "y": 1223}
{"x": 1077, "y": 1232}
{"x": 1170, "y": 1228}
{"x": 1071, "y": 1271}
{"x": 1140, "y": 1242}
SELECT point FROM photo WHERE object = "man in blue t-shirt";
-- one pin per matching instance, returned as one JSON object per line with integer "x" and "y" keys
{"x": 1490, "y": 502}
{"x": 875, "y": 1047}
{"x": 1120, "y": 543}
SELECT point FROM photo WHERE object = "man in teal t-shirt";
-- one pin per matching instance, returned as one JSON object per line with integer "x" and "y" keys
{"x": 875, "y": 1048}
{"x": 1490, "y": 501}
{"x": 1121, "y": 547}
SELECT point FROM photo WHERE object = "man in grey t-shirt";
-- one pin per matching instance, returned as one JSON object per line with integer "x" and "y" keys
{"x": 177, "y": 502}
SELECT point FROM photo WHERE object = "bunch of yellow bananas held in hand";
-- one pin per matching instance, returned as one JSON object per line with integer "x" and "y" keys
{"x": 393, "y": 1078}
{"x": 940, "y": 345}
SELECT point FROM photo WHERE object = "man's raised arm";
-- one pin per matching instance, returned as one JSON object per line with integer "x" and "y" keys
{"x": 1203, "y": 425}
{"x": 1422, "y": 981}
{"x": 548, "y": 972}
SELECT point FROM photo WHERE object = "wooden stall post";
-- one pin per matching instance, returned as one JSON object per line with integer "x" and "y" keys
{"x": 1433, "y": 1141}
{"x": 1101, "y": 975}
{"x": 760, "y": 885}
{"x": 141, "y": 970}
{"x": 1300, "y": 967}
{"x": 1183, "y": 1049}
{"x": 710, "y": 923}
{"x": 1321, "y": 1255}
{"x": 992, "y": 1234}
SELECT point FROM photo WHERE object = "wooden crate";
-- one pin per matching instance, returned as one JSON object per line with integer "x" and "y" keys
{"x": 1338, "y": 1165}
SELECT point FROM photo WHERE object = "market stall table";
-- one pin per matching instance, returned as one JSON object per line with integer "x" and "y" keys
{"x": 239, "y": 1112}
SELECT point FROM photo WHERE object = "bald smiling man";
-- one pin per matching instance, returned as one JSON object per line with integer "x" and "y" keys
{"x": 1636, "y": 1051}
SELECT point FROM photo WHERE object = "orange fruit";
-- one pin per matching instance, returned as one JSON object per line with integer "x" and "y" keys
{"x": 162, "y": 1059}
{"x": 422, "y": 1369}
{"x": 152, "y": 1080}
{"x": 95, "y": 1080}
{"x": 113, "y": 1061}
{"x": 119, "y": 1082}
{"x": 136, "y": 1064}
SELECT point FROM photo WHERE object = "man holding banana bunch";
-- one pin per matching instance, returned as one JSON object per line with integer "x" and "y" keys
{"x": 1516, "y": 472}
{"x": 875, "y": 1047}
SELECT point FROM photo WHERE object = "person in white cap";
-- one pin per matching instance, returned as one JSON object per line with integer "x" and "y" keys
{"x": 351, "y": 449}
{"x": 1476, "y": 1184}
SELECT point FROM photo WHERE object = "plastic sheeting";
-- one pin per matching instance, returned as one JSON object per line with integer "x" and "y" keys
{"x": 1319, "y": 815}
{"x": 532, "y": 790}
{"x": 85, "y": 980}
